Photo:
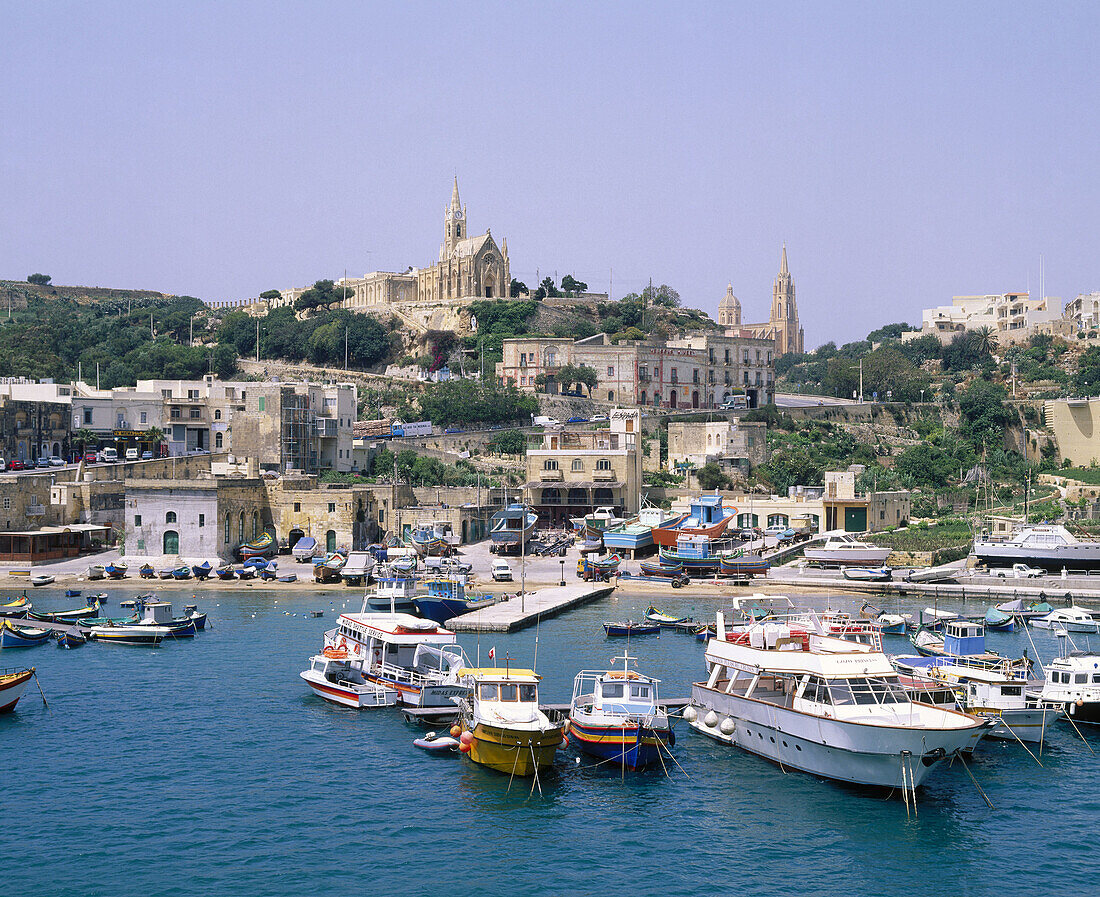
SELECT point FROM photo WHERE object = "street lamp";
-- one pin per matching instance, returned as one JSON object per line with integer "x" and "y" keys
{"x": 922, "y": 396}
{"x": 563, "y": 571}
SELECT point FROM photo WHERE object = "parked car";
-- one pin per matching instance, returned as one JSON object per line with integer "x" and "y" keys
{"x": 55, "y": 461}
{"x": 577, "y": 420}
{"x": 501, "y": 571}
{"x": 147, "y": 455}
{"x": 734, "y": 402}
{"x": 131, "y": 454}
{"x": 3, "y": 465}
{"x": 43, "y": 461}
{"x": 90, "y": 457}
{"x": 447, "y": 565}
{"x": 599, "y": 419}
{"x": 108, "y": 455}
{"x": 17, "y": 464}
{"x": 1020, "y": 571}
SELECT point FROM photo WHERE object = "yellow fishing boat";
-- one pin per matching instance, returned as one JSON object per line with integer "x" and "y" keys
{"x": 503, "y": 726}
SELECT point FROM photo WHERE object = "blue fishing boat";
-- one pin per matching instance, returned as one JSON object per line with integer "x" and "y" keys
{"x": 203, "y": 570}
{"x": 621, "y": 630}
{"x": 289, "y": 577}
{"x": 447, "y": 598}
{"x": 70, "y": 639}
{"x": 16, "y": 609}
{"x": 513, "y": 525}
{"x": 12, "y": 636}
{"x": 269, "y": 572}
{"x": 181, "y": 572}
{"x": 739, "y": 564}
{"x": 636, "y": 534}
{"x": 697, "y": 553}
{"x": 615, "y": 715}
{"x": 225, "y": 572}
{"x": 72, "y": 593}
{"x": 68, "y": 616}
{"x": 192, "y": 611}
{"x": 117, "y": 570}
{"x": 146, "y": 571}
{"x": 662, "y": 570}
{"x": 427, "y": 540}
{"x": 1000, "y": 621}
{"x": 707, "y": 517}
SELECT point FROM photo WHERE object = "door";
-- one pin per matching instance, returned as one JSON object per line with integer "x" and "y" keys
{"x": 695, "y": 398}
{"x": 171, "y": 542}
{"x": 330, "y": 541}
{"x": 855, "y": 520}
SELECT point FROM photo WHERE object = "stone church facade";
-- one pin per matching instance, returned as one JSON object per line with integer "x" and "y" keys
{"x": 782, "y": 325}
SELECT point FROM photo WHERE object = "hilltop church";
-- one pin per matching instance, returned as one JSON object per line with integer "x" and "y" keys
{"x": 468, "y": 268}
{"x": 782, "y": 326}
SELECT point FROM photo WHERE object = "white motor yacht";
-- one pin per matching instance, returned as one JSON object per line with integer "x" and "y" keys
{"x": 848, "y": 550}
{"x": 1073, "y": 683}
{"x": 1068, "y": 619}
{"x": 823, "y": 705}
{"x": 337, "y": 678}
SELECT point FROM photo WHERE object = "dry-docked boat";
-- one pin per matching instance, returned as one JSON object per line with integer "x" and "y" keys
{"x": 418, "y": 658}
{"x": 823, "y": 705}
{"x": 942, "y": 573}
{"x": 503, "y": 726}
{"x": 1049, "y": 547}
{"x": 707, "y": 518}
{"x": 513, "y": 525}
{"x": 635, "y": 534}
{"x": 844, "y": 550}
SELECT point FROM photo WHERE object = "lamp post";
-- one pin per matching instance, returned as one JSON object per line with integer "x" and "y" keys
{"x": 563, "y": 571}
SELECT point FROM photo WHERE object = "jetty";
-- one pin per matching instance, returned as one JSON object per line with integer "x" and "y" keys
{"x": 518, "y": 613}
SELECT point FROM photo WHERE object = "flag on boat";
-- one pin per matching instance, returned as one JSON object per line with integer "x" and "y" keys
{"x": 493, "y": 653}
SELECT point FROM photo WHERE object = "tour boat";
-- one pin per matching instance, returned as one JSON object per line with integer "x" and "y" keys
{"x": 117, "y": 570}
{"x": 1073, "y": 683}
{"x": 305, "y": 549}
{"x": 615, "y": 715}
{"x": 16, "y": 609}
{"x": 1001, "y": 696}
{"x": 1068, "y": 619}
{"x": 503, "y": 727}
{"x": 741, "y": 565}
{"x": 12, "y": 685}
{"x": 844, "y": 550}
{"x": 823, "y": 705}
{"x": 12, "y": 636}
{"x": 418, "y": 658}
{"x": 337, "y": 678}
{"x": 1052, "y": 548}
{"x": 263, "y": 547}
{"x": 867, "y": 574}
{"x": 629, "y": 628}
{"x": 706, "y": 517}
{"x": 203, "y": 570}
{"x": 514, "y": 525}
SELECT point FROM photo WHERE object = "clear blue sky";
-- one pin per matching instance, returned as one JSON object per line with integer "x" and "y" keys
{"x": 905, "y": 153}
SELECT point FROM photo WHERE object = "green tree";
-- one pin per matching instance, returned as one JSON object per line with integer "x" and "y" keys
{"x": 510, "y": 442}
{"x": 85, "y": 437}
{"x": 985, "y": 415}
{"x": 967, "y": 351}
{"x": 710, "y": 477}
{"x": 571, "y": 286}
{"x": 271, "y": 294}
{"x": 1086, "y": 378}
{"x": 39, "y": 279}
{"x": 924, "y": 465}
{"x": 517, "y": 288}
{"x": 323, "y": 294}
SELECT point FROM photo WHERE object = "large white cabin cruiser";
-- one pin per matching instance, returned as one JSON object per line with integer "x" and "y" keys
{"x": 1049, "y": 547}
{"x": 823, "y": 705}
{"x": 848, "y": 550}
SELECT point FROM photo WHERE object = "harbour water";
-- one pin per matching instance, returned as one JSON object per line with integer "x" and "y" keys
{"x": 207, "y": 767}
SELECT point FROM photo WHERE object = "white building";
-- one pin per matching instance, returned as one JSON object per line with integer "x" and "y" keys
{"x": 1012, "y": 316}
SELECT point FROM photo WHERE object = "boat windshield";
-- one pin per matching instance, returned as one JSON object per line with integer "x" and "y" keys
{"x": 526, "y": 693}
{"x": 867, "y": 691}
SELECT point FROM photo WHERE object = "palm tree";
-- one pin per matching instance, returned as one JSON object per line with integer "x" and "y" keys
{"x": 85, "y": 437}
{"x": 154, "y": 436}
{"x": 985, "y": 340}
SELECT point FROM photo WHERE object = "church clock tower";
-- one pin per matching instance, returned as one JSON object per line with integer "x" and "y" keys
{"x": 454, "y": 224}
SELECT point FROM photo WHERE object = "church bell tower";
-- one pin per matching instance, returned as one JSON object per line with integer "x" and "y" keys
{"x": 454, "y": 224}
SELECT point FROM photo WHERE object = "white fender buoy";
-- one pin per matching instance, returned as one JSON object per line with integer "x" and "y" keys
{"x": 710, "y": 720}
{"x": 727, "y": 726}
{"x": 690, "y": 714}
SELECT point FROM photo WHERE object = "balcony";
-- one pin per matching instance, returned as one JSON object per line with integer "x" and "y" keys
{"x": 551, "y": 476}
{"x": 603, "y": 475}
{"x": 36, "y": 510}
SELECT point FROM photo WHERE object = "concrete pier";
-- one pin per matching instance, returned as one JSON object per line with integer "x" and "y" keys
{"x": 517, "y": 613}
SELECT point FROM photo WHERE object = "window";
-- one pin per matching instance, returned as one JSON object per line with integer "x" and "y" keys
{"x": 612, "y": 689}
{"x": 255, "y": 524}
{"x": 217, "y": 414}
{"x": 528, "y": 694}
{"x": 603, "y": 464}
{"x": 87, "y": 415}
{"x": 641, "y": 398}
{"x": 7, "y": 504}
{"x": 639, "y": 691}
{"x": 673, "y": 375}
{"x": 523, "y": 359}
{"x": 487, "y": 691}
{"x": 297, "y": 507}
{"x": 611, "y": 395}
{"x": 727, "y": 356}
{"x": 240, "y": 527}
{"x": 145, "y": 417}
{"x": 695, "y": 375}
{"x": 1080, "y": 678}
{"x": 141, "y": 545}
{"x": 175, "y": 414}
{"x": 263, "y": 403}
{"x": 217, "y": 440}
{"x": 332, "y": 507}
{"x": 170, "y": 517}
{"x": 202, "y": 520}
{"x": 577, "y": 465}
{"x": 192, "y": 393}
{"x": 137, "y": 517}
{"x": 227, "y": 531}
{"x": 549, "y": 464}
{"x": 196, "y": 413}
{"x": 610, "y": 370}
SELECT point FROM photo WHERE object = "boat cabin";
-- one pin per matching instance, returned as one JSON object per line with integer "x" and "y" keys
{"x": 339, "y": 671}
{"x": 613, "y": 692}
{"x": 390, "y": 640}
{"x": 154, "y": 612}
{"x": 706, "y": 510}
{"x": 962, "y": 637}
{"x": 504, "y": 694}
{"x": 984, "y": 689}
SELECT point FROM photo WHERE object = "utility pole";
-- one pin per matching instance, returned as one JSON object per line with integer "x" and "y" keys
{"x": 523, "y": 551}
{"x": 345, "y": 347}
{"x": 257, "y": 339}
{"x": 861, "y": 381}
{"x": 97, "y": 375}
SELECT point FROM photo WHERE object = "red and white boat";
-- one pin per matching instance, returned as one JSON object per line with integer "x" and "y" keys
{"x": 707, "y": 518}
{"x": 418, "y": 659}
{"x": 12, "y": 686}
{"x": 334, "y": 676}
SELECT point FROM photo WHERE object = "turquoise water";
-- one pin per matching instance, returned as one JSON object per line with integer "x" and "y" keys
{"x": 209, "y": 768}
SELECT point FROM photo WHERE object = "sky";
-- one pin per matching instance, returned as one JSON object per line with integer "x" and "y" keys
{"x": 904, "y": 153}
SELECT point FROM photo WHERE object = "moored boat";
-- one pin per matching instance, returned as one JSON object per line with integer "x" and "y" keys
{"x": 1000, "y": 621}
{"x": 130, "y": 634}
{"x": 891, "y": 624}
{"x": 16, "y": 609}
{"x": 655, "y": 616}
{"x": 70, "y": 639}
{"x": 392, "y": 594}
{"x": 1001, "y": 697}
{"x": 1072, "y": 683}
{"x": 503, "y": 726}
{"x": 68, "y": 616}
{"x": 446, "y": 598}
{"x": 629, "y": 628}
{"x": 339, "y": 679}
{"x": 13, "y": 683}
{"x": 616, "y": 715}
{"x": 1068, "y": 619}
{"x": 13, "y": 636}
{"x": 793, "y": 699}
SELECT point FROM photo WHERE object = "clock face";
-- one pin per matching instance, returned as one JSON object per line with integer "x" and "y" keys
{"x": 456, "y": 214}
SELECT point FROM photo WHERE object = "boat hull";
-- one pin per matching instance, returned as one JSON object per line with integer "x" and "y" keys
{"x": 862, "y": 557}
{"x": 518, "y": 752}
{"x": 666, "y": 536}
{"x": 632, "y": 746}
{"x": 12, "y": 687}
{"x": 617, "y": 630}
{"x": 834, "y": 749}
{"x": 11, "y": 637}
{"x": 749, "y": 565}
{"x": 369, "y": 697}
{"x": 1071, "y": 557}
{"x": 1020, "y": 725}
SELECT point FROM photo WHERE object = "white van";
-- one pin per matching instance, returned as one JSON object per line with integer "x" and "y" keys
{"x": 131, "y": 454}
{"x": 501, "y": 571}
{"x": 546, "y": 422}
{"x": 108, "y": 455}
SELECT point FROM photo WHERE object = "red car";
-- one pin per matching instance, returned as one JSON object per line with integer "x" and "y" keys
{"x": 89, "y": 457}
{"x": 16, "y": 465}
